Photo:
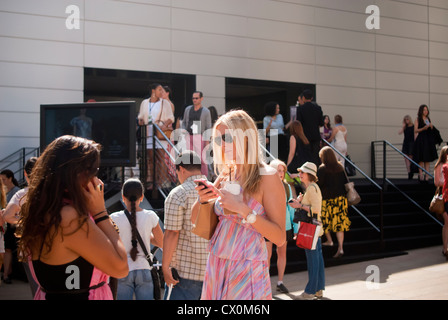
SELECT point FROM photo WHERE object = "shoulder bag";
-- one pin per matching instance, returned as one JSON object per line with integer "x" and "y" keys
{"x": 206, "y": 221}
{"x": 353, "y": 197}
{"x": 155, "y": 271}
{"x": 437, "y": 204}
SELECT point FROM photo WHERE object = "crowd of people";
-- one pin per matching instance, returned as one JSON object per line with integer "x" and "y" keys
{"x": 73, "y": 248}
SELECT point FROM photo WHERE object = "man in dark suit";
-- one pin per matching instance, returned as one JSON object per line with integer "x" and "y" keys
{"x": 311, "y": 116}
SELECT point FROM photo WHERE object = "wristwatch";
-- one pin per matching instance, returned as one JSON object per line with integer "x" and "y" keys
{"x": 251, "y": 217}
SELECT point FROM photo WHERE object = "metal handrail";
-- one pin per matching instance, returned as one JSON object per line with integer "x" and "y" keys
{"x": 158, "y": 142}
{"x": 380, "y": 189}
{"x": 379, "y": 229}
{"x": 18, "y": 161}
{"x": 385, "y": 142}
{"x": 413, "y": 202}
{"x": 388, "y": 181}
{"x": 357, "y": 168}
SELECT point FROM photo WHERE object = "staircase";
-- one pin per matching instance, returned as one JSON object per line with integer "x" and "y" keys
{"x": 405, "y": 227}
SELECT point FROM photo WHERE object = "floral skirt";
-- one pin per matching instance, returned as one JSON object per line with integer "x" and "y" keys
{"x": 334, "y": 214}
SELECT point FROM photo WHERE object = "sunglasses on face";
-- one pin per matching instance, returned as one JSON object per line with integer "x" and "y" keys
{"x": 227, "y": 138}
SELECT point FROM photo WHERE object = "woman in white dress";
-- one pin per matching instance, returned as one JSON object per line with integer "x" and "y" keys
{"x": 339, "y": 135}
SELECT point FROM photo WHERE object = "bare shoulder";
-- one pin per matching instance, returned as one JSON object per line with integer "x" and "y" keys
{"x": 269, "y": 178}
{"x": 70, "y": 219}
{"x": 267, "y": 170}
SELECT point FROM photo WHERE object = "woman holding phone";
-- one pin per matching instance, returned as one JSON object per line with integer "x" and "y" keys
{"x": 237, "y": 266}
{"x": 67, "y": 237}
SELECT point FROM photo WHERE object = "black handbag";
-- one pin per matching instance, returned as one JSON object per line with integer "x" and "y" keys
{"x": 301, "y": 216}
{"x": 155, "y": 271}
{"x": 349, "y": 168}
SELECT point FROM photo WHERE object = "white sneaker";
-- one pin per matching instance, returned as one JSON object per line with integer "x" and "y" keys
{"x": 305, "y": 296}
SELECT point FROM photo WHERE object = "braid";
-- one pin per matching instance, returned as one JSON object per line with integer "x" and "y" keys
{"x": 134, "y": 250}
{"x": 132, "y": 191}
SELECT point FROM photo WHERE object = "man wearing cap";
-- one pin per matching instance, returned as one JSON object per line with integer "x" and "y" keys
{"x": 310, "y": 116}
{"x": 182, "y": 249}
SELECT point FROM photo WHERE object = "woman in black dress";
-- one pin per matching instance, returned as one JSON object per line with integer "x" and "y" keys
{"x": 424, "y": 147}
{"x": 408, "y": 143}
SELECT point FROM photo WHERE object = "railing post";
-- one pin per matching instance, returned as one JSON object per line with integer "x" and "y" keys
{"x": 382, "y": 219}
{"x": 384, "y": 164}
{"x": 143, "y": 156}
{"x": 154, "y": 159}
{"x": 22, "y": 174}
{"x": 372, "y": 160}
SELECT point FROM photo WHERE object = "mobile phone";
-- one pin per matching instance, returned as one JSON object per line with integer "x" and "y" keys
{"x": 291, "y": 201}
{"x": 201, "y": 182}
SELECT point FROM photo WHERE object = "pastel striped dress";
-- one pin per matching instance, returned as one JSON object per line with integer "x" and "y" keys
{"x": 237, "y": 267}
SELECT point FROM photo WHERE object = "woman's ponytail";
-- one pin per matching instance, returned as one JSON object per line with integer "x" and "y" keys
{"x": 133, "y": 190}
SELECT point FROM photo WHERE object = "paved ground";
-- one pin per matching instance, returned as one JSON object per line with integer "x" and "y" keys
{"x": 421, "y": 274}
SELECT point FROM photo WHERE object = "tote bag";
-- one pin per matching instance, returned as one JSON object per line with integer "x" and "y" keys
{"x": 308, "y": 235}
{"x": 206, "y": 221}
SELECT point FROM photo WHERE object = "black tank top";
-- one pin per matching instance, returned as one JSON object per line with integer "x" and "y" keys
{"x": 69, "y": 281}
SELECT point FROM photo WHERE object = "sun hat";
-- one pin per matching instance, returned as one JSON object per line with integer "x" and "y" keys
{"x": 310, "y": 168}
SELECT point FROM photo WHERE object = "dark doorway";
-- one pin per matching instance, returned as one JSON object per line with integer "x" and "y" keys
{"x": 115, "y": 85}
{"x": 252, "y": 95}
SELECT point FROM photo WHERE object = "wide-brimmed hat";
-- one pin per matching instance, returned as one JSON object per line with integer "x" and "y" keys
{"x": 310, "y": 168}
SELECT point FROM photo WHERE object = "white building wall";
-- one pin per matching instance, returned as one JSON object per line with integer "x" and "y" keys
{"x": 371, "y": 77}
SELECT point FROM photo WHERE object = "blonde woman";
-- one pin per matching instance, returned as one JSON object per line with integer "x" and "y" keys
{"x": 339, "y": 136}
{"x": 237, "y": 267}
{"x": 408, "y": 142}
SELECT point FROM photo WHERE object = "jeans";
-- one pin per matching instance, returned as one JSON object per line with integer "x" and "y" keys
{"x": 185, "y": 290}
{"x": 138, "y": 282}
{"x": 316, "y": 272}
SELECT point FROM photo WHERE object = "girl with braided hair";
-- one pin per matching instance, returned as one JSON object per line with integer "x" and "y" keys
{"x": 146, "y": 222}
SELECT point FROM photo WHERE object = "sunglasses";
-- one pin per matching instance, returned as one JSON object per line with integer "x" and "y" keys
{"x": 227, "y": 138}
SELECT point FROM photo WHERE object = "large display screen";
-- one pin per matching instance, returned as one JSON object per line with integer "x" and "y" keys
{"x": 112, "y": 124}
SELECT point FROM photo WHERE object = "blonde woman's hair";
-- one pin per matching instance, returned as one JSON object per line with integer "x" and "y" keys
{"x": 248, "y": 152}
{"x": 3, "y": 201}
{"x": 407, "y": 117}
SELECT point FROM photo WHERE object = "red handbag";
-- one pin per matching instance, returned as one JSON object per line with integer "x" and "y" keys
{"x": 308, "y": 235}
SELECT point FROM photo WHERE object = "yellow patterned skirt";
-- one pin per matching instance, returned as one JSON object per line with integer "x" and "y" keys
{"x": 334, "y": 214}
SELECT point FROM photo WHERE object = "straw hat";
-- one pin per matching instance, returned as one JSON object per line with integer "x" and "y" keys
{"x": 310, "y": 168}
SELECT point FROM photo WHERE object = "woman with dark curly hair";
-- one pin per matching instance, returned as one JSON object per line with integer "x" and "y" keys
{"x": 67, "y": 236}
